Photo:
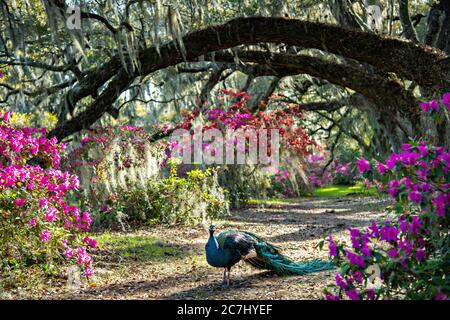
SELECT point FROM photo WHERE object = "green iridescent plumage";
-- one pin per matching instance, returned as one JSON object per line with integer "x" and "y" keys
{"x": 261, "y": 254}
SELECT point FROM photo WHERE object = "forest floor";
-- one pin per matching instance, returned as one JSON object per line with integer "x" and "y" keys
{"x": 169, "y": 263}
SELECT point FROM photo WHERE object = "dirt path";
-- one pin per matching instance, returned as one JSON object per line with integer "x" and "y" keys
{"x": 296, "y": 227}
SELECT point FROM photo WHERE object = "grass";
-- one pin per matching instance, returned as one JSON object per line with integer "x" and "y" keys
{"x": 342, "y": 191}
{"x": 138, "y": 248}
{"x": 273, "y": 201}
{"x": 329, "y": 191}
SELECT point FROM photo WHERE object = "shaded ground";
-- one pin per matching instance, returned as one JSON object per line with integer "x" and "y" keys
{"x": 168, "y": 263}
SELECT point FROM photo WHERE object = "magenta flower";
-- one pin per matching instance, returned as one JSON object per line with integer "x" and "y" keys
{"x": 86, "y": 218}
{"x": 88, "y": 272}
{"x": 363, "y": 165}
{"x": 20, "y": 202}
{"x": 332, "y": 297}
{"x": 32, "y": 222}
{"x": 422, "y": 150}
{"x": 45, "y": 236}
{"x": 51, "y": 213}
{"x": 370, "y": 294}
{"x": 365, "y": 250}
{"x": 69, "y": 252}
{"x": 392, "y": 253}
{"x": 91, "y": 242}
{"x": 430, "y": 106}
{"x": 415, "y": 196}
{"x": 340, "y": 281}
{"x": 446, "y": 100}
{"x": 415, "y": 225}
{"x": 355, "y": 259}
{"x": 420, "y": 254}
{"x": 353, "y": 294}
{"x": 358, "y": 277}
{"x": 406, "y": 147}
{"x": 42, "y": 202}
{"x": 332, "y": 247}
{"x": 389, "y": 234}
{"x": 354, "y": 235}
{"x": 441, "y": 296}
{"x": 6, "y": 116}
{"x": 406, "y": 246}
{"x": 381, "y": 168}
{"x": 403, "y": 226}
{"x": 440, "y": 203}
{"x": 374, "y": 230}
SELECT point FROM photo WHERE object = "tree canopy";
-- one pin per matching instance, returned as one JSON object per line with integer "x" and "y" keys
{"x": 139, "y": 61}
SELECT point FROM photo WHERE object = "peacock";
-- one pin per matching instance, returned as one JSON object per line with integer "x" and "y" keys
{"x": 232, "y": 246}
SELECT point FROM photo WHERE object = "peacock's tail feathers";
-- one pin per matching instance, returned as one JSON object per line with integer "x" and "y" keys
{"x": 269, "y": 257}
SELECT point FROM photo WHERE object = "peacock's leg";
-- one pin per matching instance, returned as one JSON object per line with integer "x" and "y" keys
{"x": 224, "y": 274}
{"x": 228, "y": 279}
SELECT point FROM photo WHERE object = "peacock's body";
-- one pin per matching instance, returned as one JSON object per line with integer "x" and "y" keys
{"x": 231, "y": 246}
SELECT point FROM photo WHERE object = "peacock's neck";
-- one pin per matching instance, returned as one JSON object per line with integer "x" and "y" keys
{"x": 212, "y": 241}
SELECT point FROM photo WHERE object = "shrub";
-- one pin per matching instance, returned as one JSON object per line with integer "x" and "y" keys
{"x": 191, "y": 200}
{"x": 232, "y": 113}
{"x": 38, "y": 226}
{"x": 321, "y": 171}
{"x": 112, "y": 160}
{"x": 412, "y": 251}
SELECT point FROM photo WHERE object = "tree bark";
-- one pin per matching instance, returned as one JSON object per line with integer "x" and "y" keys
{"x": 408, "y": 30}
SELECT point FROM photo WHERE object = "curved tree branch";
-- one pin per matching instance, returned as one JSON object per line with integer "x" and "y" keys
{"x": 424, "y": 65}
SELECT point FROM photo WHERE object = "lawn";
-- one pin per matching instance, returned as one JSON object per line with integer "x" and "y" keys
{"x": 328, "y": 191}
{"x": 342, "y": 191}
{"x": 139, "y": 248}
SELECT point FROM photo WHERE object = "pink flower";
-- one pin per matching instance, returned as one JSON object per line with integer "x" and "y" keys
{"x": 441, "y": 296}
{"x": 415, "y": 196}
{"x": 51, "y": 213}
{"x": 393, "y": 186}
{"x": 86, "y": 218}
{"x": 91, "y": 242}
{"x": 381, "y": 168}
{"x": 374, "y": 230}
{"x": 45, "y": 236}
{"x": 6, "y": 116}
{"x": 363, "y": 165}
{"x": 370, "y": 294}
{"x": 358, "y": 277}
{"x": 392, "y": 253}
{"x": 353, "y": 294}
{"x": 69, "y": 252}
{"x": 415, "y": 225}
{"x": 32, "y": 222}
{"x": 42, "y": 202}
{"x": 340, "y": 281}
{"x": 355, "y": 259}
{"x": 420, "y": 254}
{"x": 446, "y": 99}
{"x": 332, "y": 247}
{"x": 389, "y": 234}
{"x": 406, "y": 246}
{"x": 432, "y": 105}
{"x": 20, "y": 202}
{"x": 332, "y": 297}
{"x": 88, "y": 272}
{"x": 422, "y": 150}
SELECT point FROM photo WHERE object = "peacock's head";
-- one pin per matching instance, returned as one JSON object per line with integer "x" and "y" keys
{"x": 212, "y": 228}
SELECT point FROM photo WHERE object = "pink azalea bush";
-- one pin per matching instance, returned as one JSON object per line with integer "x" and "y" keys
{"x": 37, "y": 224}
{"x": 412, "y": 251}
{"x": 319, "y": 174}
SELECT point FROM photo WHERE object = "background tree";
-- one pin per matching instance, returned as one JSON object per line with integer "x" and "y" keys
{"x": 142, "y": 62}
